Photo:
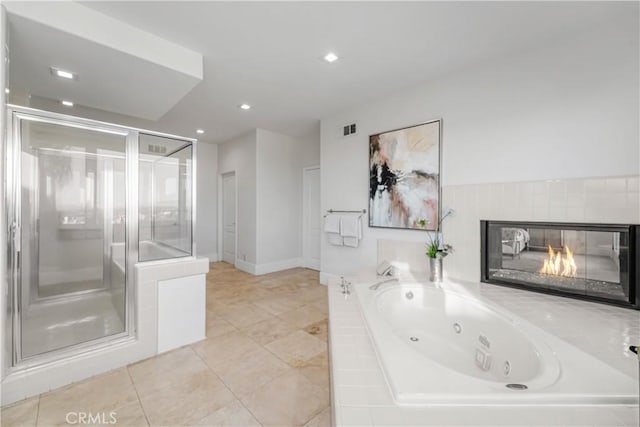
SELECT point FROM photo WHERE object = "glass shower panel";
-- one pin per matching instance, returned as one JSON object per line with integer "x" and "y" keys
{"x": 72, "y": 287}
{"x": 165, "y": 188}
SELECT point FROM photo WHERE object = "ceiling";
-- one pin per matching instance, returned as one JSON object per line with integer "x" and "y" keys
{"x": 269, "y": 54}
{"x": 116, "y": 73}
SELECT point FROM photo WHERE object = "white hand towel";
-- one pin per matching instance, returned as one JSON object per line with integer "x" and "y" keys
{"x": 351, "y": 226}
{"x": 351, "y": 230}
{"x": 332, "y": 223}
{"x": 335, "y": 239}
{"x": 352, "y": 242}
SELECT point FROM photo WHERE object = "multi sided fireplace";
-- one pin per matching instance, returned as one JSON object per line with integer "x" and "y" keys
{"x": 597, "y": 262}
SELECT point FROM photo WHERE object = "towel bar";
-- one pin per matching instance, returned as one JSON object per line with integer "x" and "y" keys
{"x": 330, "y": 211}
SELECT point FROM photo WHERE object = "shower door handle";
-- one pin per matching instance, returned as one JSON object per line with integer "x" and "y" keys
{"x": 15, "y": 235}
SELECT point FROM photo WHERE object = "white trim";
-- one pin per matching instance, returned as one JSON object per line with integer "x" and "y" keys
{"x": 245, "y": 266}
{"x": 220, "y": 244}
{"x": 307, "y": 263}
{"x": 31, "y": 382}
{"x": 219, "y": 225}
{"x": 272, "y": 267}
{"x": 312, "y": 265}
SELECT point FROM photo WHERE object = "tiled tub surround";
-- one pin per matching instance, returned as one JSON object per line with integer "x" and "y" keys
{"x": 411, "y": 323}
{"x": 361, "y": 395}
{"x": 614, "y": 200}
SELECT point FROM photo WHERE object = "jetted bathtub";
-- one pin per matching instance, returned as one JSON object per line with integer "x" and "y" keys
{"x": 443, "y": 347}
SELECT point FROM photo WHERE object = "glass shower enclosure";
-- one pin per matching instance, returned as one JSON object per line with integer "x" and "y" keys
{"x": 86, "y": 201}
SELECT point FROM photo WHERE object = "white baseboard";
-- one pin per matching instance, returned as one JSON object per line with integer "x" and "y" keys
{"x": 311, "y": 264}
{"x": 245, "y": 266}
{"x": 272, "y": 267}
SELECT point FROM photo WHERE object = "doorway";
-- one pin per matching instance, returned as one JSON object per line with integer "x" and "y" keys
{"x": 311, "y": 215}
{"x": 68, "y": 209}
{"x": 229, "y": 218}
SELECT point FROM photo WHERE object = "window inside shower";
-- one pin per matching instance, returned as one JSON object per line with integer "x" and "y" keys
{"x": 164, "y": 212}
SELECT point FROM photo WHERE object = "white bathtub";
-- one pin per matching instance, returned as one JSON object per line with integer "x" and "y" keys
{"x": 438, "y": 346}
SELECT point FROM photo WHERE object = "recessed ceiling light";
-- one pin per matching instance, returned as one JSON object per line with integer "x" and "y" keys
{"x": 331, "y": 57}
{"x": 63, "y": 73}
{"x": 67, "y": 103}
{"x": 200, "y": 131}
{"x": 245, "y": 106}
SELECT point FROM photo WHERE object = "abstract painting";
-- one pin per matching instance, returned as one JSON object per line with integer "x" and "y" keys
{"x": 404, "y": 177}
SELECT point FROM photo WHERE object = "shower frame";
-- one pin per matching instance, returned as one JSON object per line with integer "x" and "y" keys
{"x": 15, "y": 115}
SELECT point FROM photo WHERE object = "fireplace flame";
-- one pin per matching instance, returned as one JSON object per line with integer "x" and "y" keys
{"x": 558, "y": 265}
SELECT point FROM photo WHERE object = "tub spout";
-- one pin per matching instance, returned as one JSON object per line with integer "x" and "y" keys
{"x": 377, "y": 284}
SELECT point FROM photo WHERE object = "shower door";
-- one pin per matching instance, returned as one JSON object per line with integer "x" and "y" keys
{"x": 70, "y": 269}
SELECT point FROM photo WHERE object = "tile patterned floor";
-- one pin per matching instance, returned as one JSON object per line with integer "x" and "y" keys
{"x": 264, "y": 362}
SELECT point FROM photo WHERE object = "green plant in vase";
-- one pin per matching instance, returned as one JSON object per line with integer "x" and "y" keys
{"x": 436, "y": 248}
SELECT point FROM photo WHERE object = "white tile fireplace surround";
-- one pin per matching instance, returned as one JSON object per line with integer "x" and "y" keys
{"x": 594, "y": 200}
{"x": 361, "y": 396}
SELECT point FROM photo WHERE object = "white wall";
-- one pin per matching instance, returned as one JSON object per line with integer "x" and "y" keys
{"x": 307, "y": 154}
{"x": 569, "y": 110}
{"x": 280, "y": 162}
{"x": 308, "y": 148}
{"x": 206, "y": 231}
{"x": 268, "y": 168}
{"x": 239, "y": 155}
{"x": 278, "y": 215}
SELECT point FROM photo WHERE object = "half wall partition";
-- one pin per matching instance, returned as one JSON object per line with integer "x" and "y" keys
{"x": 86, "y": 201}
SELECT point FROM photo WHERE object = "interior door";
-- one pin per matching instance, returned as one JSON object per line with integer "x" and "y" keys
{"x": 312, "y": 218}
{"x": 229, "y": 218}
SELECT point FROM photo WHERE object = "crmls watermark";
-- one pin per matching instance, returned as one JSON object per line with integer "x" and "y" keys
{"x": 74, "y": 418}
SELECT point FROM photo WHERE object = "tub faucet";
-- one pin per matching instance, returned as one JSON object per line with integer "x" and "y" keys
{"x": 376, "y": 285}
{"x": 346, "y": 287}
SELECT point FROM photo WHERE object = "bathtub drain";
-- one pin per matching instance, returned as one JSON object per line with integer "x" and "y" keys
{"x": 414, "y": 339}
{"x": 517, "y": 386}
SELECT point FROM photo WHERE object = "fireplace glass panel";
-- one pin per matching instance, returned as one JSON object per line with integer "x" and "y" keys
{"x": 584, "y": 262}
